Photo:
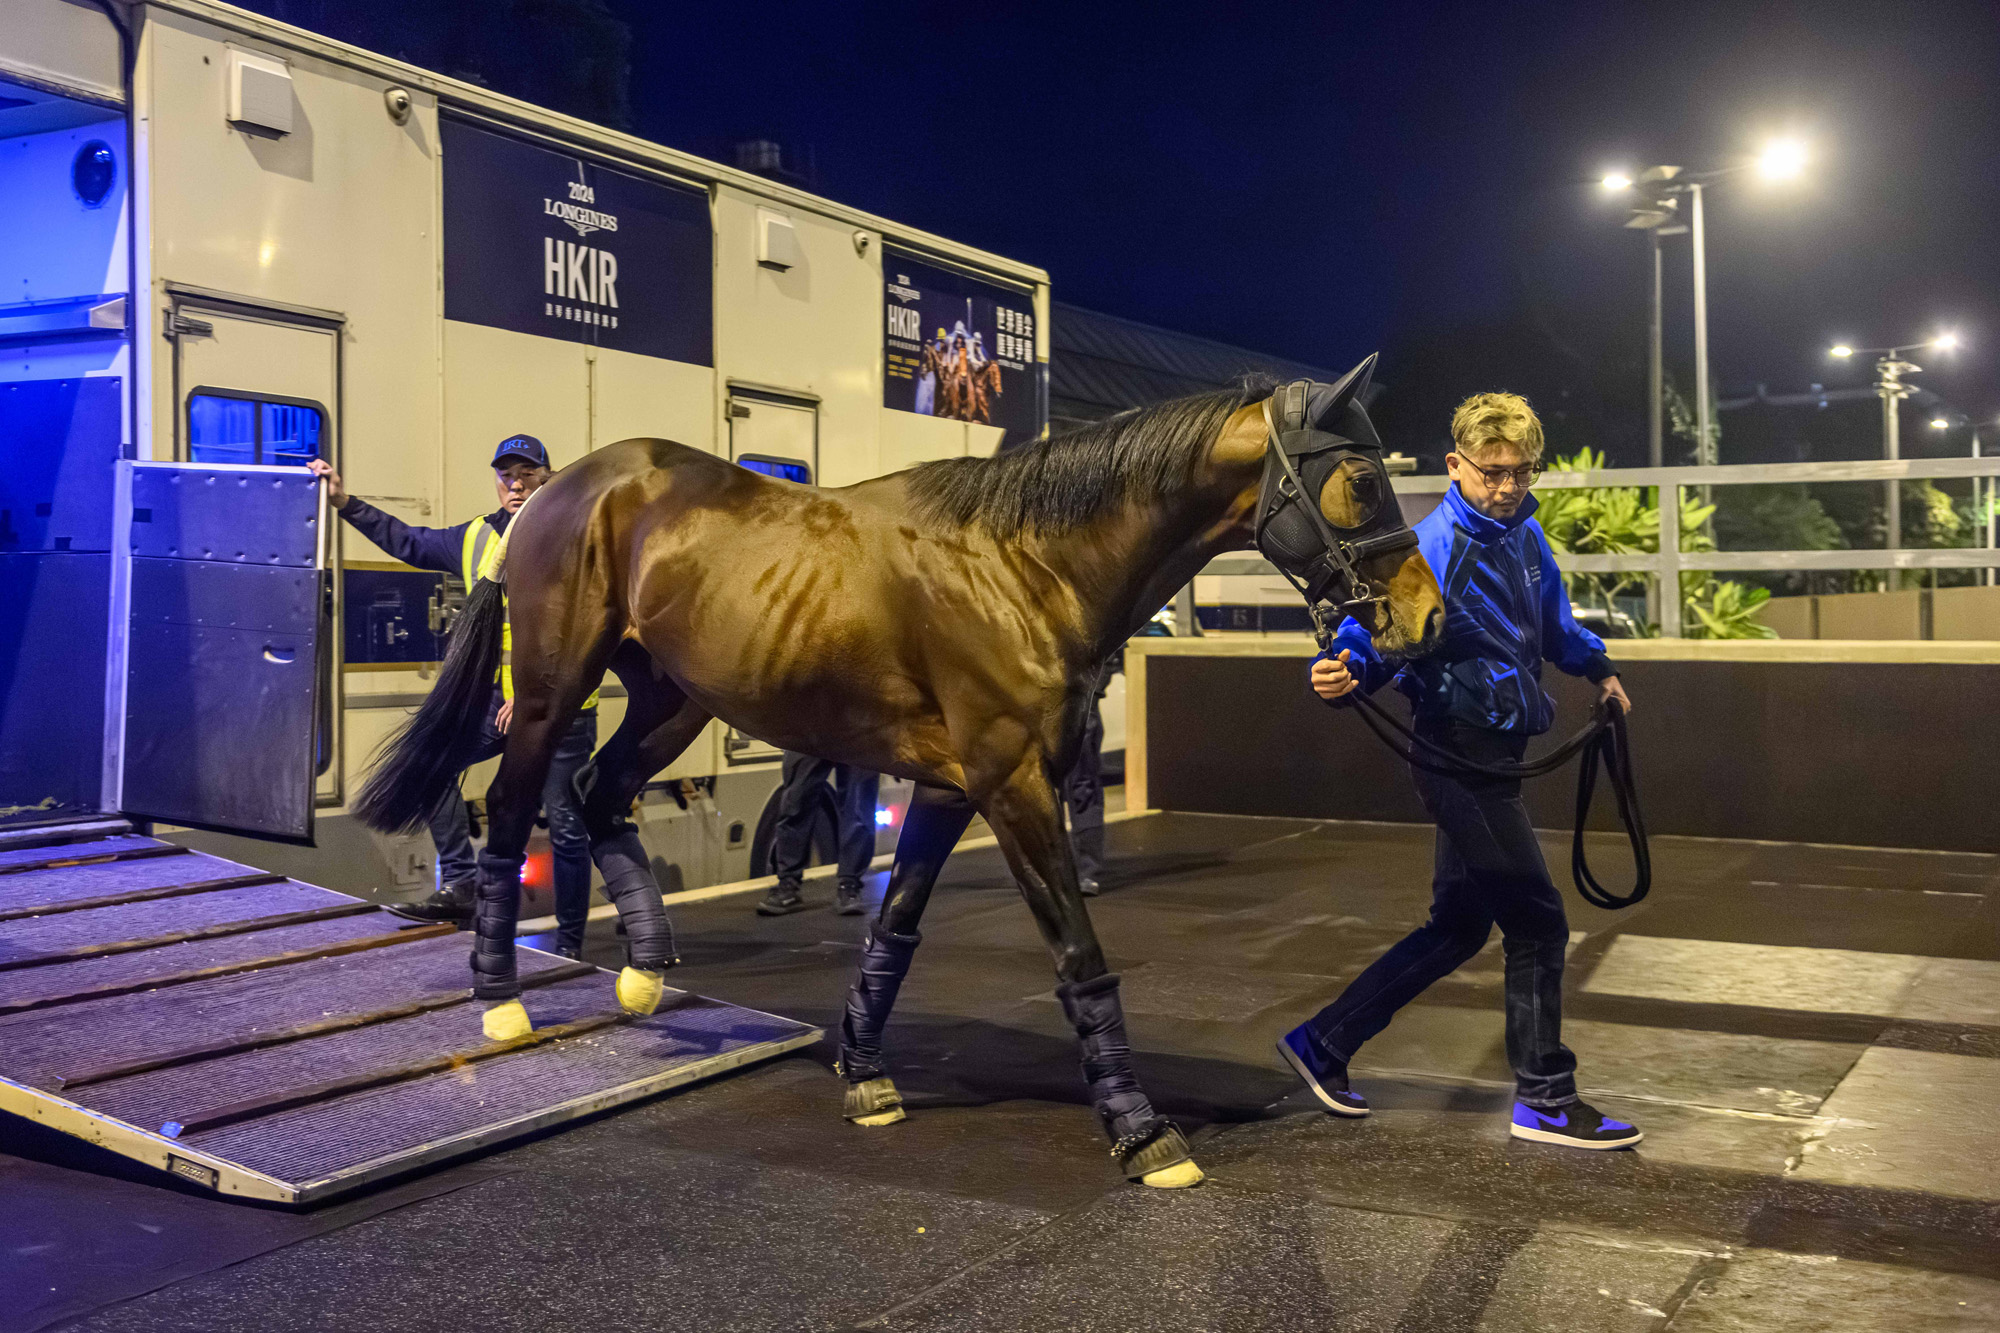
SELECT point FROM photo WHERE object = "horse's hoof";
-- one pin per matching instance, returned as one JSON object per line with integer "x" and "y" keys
{"x": 639, "y": 992}
{"x": 505, "y": 1022}
{"x": 1159, "y": 1158}
{"x": 874, "y": 1103}
{"x": 1176, "y": 1177}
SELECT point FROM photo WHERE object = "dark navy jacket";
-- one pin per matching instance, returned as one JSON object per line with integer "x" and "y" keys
{"x": 438, "y": 549}
{"x": 1506, "y": 610}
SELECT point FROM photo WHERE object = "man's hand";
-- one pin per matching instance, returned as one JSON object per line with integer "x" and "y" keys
{"x": 1331, "y": 678}
{"x": 336, "y": 493}
{"x": 505, "y": 719}
{"x": 1609, "y": 689}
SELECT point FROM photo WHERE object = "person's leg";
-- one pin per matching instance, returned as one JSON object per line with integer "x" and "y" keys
{"x": 451, "y": 834}
{"x": 858, "y": 790}
{"x": 791, "y": 839}
{"x": 1319, "y": 1049}
{"x": 569, "y": 843}
{"x": 1083, "y": 793}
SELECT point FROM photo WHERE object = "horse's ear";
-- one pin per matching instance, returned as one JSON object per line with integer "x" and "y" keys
{"x": 1329, "y": 400}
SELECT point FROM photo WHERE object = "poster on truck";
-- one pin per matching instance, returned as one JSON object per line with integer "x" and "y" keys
{"x": 955, "y": 346}
{"x": 540, "y": 241}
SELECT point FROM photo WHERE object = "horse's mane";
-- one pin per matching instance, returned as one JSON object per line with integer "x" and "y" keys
{"x": 1065, "y": 481}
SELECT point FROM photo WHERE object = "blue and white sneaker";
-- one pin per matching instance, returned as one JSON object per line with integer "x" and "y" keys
{"x": 1578, "y": 1125}
{"x": 1328, "y": 1084}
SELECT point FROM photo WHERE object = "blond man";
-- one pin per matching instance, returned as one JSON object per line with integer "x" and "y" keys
{"x": 1480, "y": 694}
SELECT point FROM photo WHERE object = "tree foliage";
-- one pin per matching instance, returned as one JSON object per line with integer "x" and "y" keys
{"x": 1625, "y": 520}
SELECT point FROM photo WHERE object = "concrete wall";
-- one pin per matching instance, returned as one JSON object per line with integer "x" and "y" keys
{"x": 1836, "y": 743}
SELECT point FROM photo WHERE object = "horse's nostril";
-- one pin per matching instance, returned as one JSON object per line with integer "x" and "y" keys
{"x": 1434, "y": 624}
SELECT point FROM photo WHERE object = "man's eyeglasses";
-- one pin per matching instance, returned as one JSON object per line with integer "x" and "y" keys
{"x": 1523, "y": 476}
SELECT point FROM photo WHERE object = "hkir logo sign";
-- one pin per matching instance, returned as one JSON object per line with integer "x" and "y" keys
{"x": 580, "y": 273}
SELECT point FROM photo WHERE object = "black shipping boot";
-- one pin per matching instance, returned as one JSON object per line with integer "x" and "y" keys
{"x": 847, "y": 897}
{"x": 630, "y": 887}
{"x": 1142, "y": 1140}
{"x": 451, "y": 903}
{"x": 499, "y": 909}
{"x": 885, "y": 960}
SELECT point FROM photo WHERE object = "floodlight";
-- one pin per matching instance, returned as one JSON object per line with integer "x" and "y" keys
{"x": 1615, "y": 181}
{"x": 1939, "y": 423}
{"x": 1782, "y": 159}
{"x": 1842, "y": 351}
{"x": 1945, "y": 341}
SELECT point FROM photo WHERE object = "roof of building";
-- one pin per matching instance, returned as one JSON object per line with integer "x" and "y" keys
{"x": 1101, "y": 364}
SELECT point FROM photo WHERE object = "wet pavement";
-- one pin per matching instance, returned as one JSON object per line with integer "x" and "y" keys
{"x": 1810, "y": 1037}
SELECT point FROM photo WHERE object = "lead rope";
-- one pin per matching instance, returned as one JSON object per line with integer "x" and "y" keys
{"x": 1604, "y": 741}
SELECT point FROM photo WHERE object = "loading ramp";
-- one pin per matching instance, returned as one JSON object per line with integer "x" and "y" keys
{"x": 271, "y": 1039}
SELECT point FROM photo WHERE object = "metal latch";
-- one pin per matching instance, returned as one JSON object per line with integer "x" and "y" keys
{"x": 186, "y": 326}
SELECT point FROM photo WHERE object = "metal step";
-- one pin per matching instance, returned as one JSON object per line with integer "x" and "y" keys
{"x": 275, "y": 1040}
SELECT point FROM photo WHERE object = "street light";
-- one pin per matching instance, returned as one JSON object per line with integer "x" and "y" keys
{"x": 1890, "y": 369}
{"x": 1660, "y": 190}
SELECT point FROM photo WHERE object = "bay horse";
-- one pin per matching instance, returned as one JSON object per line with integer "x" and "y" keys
{"x": 944, "y": 624}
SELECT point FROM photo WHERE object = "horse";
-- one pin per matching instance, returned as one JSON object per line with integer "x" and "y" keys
{"x": 945, "y": 624}
{"x": 985, "y": 388}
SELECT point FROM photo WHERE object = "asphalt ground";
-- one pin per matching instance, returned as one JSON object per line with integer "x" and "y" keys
{"x": 1810, "y": 1037}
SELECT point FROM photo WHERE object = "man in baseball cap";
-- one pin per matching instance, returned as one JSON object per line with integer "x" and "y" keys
{"x": 520, "y": 468}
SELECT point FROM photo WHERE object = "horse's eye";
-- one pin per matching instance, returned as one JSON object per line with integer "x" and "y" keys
{"x": 1367, "y": 490}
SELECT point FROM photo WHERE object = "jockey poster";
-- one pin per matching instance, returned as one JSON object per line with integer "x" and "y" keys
{"x": 954, "y": 346}
{"x": 541, "y": 242}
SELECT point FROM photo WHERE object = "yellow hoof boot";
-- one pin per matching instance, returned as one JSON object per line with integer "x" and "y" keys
{"x": 873, "y": 1103}
{"x": 504, "y": 1022}
{"x": 1176, "y": 1177}
{"x": 1159, "y": 1158}
{"x": 639, "y": 992}
{"x": 881, "y": 1118}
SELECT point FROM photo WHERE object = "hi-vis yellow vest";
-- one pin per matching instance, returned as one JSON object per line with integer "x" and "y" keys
{"x": 482, "y": 547}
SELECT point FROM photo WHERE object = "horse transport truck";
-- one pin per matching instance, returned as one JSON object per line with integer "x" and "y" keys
{"x": 229, "y": 246}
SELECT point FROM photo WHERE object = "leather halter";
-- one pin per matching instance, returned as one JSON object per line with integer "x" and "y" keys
{"x": 1299, "y": 444}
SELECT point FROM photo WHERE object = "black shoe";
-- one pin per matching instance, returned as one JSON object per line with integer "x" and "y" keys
{"x": 847, "y": 898}
{"x": 782, "y": 900}
{"x": 1578, "y": 1125}
{"x": 451, "y": 903}
{"x": 1091, "y": 888}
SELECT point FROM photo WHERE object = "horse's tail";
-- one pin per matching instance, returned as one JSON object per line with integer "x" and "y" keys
{"x": 423, "y": 757}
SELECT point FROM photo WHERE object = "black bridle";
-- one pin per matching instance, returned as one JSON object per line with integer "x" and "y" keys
{"x": 1316, "y": 429}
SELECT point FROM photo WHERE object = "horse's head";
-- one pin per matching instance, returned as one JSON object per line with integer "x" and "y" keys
{"x": 1327, "y": 518}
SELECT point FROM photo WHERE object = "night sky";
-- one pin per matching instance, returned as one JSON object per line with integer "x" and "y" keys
{"x": 1320, "y": 181}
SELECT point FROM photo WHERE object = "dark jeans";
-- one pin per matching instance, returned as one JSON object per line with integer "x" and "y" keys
{"x": 854, "y": 811}
{"x": 1083, "y": 793}
{"x": 1488, "y": 869}
{"x": 451, "y": 825}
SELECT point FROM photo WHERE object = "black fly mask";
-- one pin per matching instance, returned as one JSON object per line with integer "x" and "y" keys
{"x": 1316, "y": 431}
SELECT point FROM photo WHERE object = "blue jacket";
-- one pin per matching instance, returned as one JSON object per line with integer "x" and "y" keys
{"x": 1506, "y": 610}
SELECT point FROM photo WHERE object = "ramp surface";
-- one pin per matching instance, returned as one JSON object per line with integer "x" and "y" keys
{"x": 275, "y": 1040}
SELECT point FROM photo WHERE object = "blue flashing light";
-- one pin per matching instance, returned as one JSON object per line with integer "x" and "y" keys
{"x": 885, "y": 818}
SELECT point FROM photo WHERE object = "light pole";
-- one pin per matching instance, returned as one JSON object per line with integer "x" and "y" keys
{"x": 1659, "y": 190}
{"x": 1890, "y": 367}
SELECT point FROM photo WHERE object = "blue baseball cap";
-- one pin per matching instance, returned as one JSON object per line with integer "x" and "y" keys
{"x": 524, "y": 447}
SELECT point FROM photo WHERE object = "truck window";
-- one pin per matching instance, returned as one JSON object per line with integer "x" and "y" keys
{"x": 229, "y": 427}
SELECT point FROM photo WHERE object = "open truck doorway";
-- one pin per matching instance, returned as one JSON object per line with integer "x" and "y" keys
{"x": 65, "y": 376}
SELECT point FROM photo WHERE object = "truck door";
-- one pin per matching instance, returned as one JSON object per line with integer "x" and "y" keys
{"x": 260, "y": 386}
{"x": 223, "y": 574}
{"x": 776, "y": 434}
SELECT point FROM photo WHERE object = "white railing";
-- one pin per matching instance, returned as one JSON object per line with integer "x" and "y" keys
{"x": 1669, "y": 562}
